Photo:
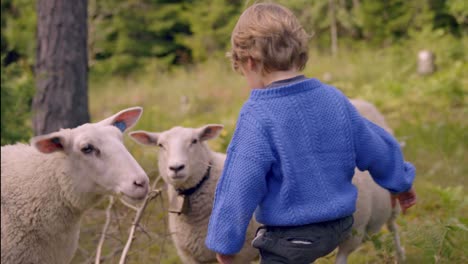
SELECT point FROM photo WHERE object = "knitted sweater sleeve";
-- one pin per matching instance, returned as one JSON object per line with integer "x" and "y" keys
{"x": 378, "y": 152}
{"x": 241, "y": 187}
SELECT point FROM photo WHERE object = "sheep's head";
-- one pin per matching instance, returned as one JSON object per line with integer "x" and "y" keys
{"x": 98, "y": 157}
{"x": 183, "y": 153}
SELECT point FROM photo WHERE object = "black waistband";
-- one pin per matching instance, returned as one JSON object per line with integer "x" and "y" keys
{"x": 325, "y": 223}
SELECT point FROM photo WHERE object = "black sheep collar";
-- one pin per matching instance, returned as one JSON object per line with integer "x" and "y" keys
{"x": 192, "y": 190}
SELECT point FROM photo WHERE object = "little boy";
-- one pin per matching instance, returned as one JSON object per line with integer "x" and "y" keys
{"x": 294, "y": 150}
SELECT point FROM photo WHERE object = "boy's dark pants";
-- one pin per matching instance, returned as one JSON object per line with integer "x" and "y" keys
{"x": 301, "y": 244}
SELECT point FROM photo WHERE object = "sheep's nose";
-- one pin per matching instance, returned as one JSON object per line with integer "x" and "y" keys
{"x": 140, "y": 183}
{"x": 177, "y": 168}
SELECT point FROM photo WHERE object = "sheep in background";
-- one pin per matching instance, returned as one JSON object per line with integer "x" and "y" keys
{"x": 192, "y": 171}
{"x": 370, "y": 112}
{"x": 373, "y": 206}
{"x": 47, "y": 186}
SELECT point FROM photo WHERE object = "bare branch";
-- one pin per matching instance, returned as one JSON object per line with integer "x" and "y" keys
{"x": 165, "y": 228}
{"x": 155, "y": 183}
{"x": 128, "y": 204}
{"x": 104, "y": 230}
{"x": 151, "y": 195}
{"x": 143, "y": 229}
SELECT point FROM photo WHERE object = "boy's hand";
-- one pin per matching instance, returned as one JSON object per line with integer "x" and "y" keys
{"x": 406, "y": 199}
{"x": 225, "y": 259}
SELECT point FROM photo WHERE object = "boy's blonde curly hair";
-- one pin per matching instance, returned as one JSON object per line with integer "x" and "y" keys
{"x": 270, "y": 35}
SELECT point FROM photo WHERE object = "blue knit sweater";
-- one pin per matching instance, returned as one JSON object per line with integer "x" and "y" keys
{"x": 292, "y": 158}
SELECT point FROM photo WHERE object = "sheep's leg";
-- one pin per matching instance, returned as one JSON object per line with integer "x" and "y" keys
{"x": 184, "y": 255}
{"x": 392, "y": 226}
{"x": 348, "y": 246}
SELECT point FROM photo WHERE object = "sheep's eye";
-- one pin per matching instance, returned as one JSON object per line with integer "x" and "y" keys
{"x": 194, "y": 141}
{"x": 87, "y": 149}
{"x": 160, "y": 145}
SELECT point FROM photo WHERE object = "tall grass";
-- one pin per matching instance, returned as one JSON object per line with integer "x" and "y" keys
{"x": 427, "y": 113}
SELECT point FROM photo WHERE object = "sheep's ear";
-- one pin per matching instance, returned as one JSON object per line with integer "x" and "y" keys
{"x": 49, "y": 143}
{"x": 209, "y": 131}
{"x": 144, "y": 138}
{"x": 124, "y": 119}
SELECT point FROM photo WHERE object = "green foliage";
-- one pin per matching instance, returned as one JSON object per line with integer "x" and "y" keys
{"x": 452, "y": 199}
{"x": 385, "y": 20}
{"x": 459, "y": 10}
{"x": 18, "y": 22}
{"x": 18, "y": 28}
{"x": 211, "y": 23}
{"x": 124, "y": 35}
{"x": 443, "y": 236}
{"x": 16, "y": 97}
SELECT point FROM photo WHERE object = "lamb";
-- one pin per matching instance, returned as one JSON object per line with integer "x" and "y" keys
{"x": 373, "y": 206}
{"x": 192, "y": 171}
{"x": 48, "y": 185}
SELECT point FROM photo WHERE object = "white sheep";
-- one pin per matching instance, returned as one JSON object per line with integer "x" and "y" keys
{"x": 373, "y": 206}
{"x": 370, "y": 112}
{"x": 188, "y": 165}
{"x": 47, "y": 186}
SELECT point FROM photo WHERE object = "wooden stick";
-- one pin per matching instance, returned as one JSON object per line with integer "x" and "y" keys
{"x": 104, "y": 230}
{"x": 128, "y": 204}
{"x": 165, "y": 229}
{"x": 151, "y": 195}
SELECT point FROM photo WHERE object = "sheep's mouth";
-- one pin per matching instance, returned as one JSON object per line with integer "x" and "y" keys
{"x": 177, "y": 176}
{"x": 135, "y": 198}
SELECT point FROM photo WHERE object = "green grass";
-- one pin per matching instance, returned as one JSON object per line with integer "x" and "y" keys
{"x": 427, "y": 113}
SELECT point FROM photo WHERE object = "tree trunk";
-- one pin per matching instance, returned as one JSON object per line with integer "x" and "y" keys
{"x": 61, "y": 99}
{"x": 426, "y": 62}
{"x": 356, "y": 4}
{"x": 333, "y": 29}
